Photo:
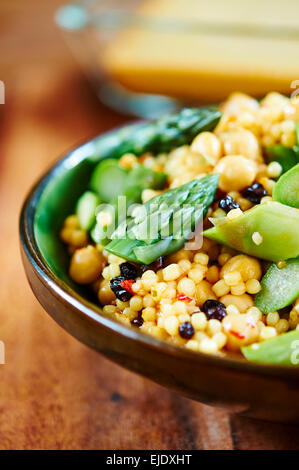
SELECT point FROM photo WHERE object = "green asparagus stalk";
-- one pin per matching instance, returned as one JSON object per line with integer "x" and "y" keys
{"x": 164, "y": 223}
{"x": 157, "y": 136}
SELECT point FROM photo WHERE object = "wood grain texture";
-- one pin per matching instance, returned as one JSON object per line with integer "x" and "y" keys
{"x": 56, "y": 393}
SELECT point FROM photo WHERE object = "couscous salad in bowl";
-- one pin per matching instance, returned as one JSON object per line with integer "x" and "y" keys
{"x": 172, "y": 247}
{"x": 240, "y": 286}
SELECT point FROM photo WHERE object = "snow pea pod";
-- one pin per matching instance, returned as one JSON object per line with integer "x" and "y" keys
{"x": 276, "y": 224}
{"x": 286, "y": 190}
{"x": 281, "y": 350}
{"x": 86, "y": 209}
{"x": 280, "y": 287}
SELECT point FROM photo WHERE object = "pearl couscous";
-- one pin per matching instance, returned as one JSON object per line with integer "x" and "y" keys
{"x": 202, "y": 300}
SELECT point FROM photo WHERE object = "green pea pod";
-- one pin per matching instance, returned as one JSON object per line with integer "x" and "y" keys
{"x": 108, "y": 179}
{"x": 86, "y": 209}
{"x": 286, "y": 190}
{"x": 281, "y": 350}
{"x": 280, "y": 287}
{"x": 277, "y": 224}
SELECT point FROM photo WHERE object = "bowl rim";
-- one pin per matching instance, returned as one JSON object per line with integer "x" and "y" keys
{"x": 69, "y": 18}
{"x": 90, "y": 311}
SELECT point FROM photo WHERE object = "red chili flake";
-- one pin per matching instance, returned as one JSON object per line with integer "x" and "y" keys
{"x": 237, "y": 335}
{"x": 184, "y": 298}
{"x": 251, "y": 325}
{"x": 127, "y": 285}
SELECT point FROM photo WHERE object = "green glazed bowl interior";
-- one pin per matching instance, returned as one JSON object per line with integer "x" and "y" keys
{"x": 56, "y": 202}
{"x": 223, "y": 381}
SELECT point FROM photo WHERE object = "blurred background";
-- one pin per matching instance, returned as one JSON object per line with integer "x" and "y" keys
{"x": 73, "y": 71}
{"x": 148, "y": 57}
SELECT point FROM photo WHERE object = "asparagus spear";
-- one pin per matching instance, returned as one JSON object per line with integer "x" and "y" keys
{"x": 157, "y": 136}
{"x": 164, "y": 223}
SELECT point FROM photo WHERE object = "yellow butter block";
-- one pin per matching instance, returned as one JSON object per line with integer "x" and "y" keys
{"x": 204, "y": 50}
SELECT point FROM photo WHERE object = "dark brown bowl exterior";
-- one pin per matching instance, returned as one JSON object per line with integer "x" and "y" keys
{"x": 259, "y": 391}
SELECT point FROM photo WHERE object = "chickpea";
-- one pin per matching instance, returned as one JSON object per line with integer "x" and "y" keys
{"x": 292, "y": 111}
{"x": 66, "y": 234}
{"x": 180, "y": 255}
{"x": 248, "y": 120}
{"x": 227, "y": 122}
{"x": 236, "y": 172}
{"x": 192, "y": 162}
{"x": 207, "y": 143}
{"x": 128, "y": 160}
{"x": 195, "y": 163}
{"x": 241, "y": 142}
{"x": 96, "y": 286}
{"x": 77, "y": 238}
{"x": 275, "y": 100}
{"x": 204, "y": 292}
{"x": 105, "y": 294}
{"x": 262, "y": 170}
{"x": 248, "y": 267}
{"x": 242, "y": 302}
{"x": 241, "y": 330}
{"x": 86, "y": 265}
{"x": 238, "y": 103}
{"x": 72, "y": 221}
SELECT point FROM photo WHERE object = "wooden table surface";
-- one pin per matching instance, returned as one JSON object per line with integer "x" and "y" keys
{"x": 55, "y": 392}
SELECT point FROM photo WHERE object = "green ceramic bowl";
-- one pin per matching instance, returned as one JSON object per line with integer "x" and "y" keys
{"x": 261, "y": 391}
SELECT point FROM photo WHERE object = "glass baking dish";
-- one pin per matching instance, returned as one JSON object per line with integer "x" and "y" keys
{"x": 149, "y": 57}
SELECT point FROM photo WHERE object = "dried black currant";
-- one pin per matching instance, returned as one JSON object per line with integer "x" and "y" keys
{"x": 228, "y": 203}
{"x": 138, "y": 321}
{"x": 186, "y": 330}
{"x": 254, "y": 193}
{"x": 219, "y": 194}
{"x": 214, "y": 309}
{"x": 120, "y": 288}
{"x": 154, "y": 266}
{"x": 128, "y": 270}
